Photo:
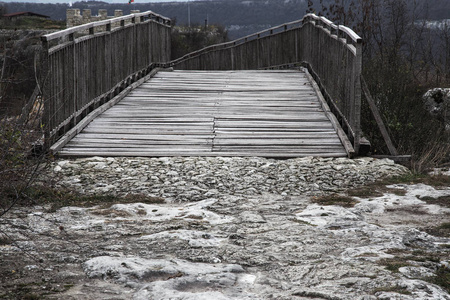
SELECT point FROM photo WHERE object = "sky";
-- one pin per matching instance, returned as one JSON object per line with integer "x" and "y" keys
{"x": 108, "y": 1}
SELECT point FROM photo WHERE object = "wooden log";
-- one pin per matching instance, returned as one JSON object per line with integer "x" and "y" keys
{"x": 378, "y": 119}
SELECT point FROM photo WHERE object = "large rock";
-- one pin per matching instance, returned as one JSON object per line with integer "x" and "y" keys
{"x": 437, "y": 103}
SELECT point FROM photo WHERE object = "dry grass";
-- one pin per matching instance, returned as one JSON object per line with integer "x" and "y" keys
{"x": 435, "y": 155}
{"x": 441, "y": 201}
{"x": 366, "y": 191}
{"x": 57, "y": 198}
{"x": 335, "y": 199}
{"x": 442, "y": 278}
{"x": 18, "y": 168}
{"x": 111, "y": 212}
{"x": 392, "y": 288}
{"x": 394, "y": 264}
{"x": 405, "y": 258}
{"x": 437, "y": 181}
{"x": 442, "y": 230}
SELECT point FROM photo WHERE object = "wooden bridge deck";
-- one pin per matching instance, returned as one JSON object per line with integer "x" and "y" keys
{"x": 214, "y": 113}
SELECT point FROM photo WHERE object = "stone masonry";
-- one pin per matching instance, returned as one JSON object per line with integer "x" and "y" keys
{"x": 75, "y": 18}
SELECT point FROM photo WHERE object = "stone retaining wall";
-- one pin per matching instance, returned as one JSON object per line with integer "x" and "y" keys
{"x": 75, "y": 18}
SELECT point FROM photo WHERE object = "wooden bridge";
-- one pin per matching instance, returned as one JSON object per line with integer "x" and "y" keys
{"x": 110, "y": 89}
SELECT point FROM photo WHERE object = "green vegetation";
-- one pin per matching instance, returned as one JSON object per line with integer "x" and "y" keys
{"x": 442, "y": 278}
{"x": 442, "y": 201}
{"x": 189, "y": 39}
{"x": 17, "y": 169}
{"x": 437, "y": 181}
{"x": 335, "y": 199}
{"x": 4, "y": 240}
{"x": 392, "y": 288}
{"x": 379, "y": 188}
{"x": 19, "y": 68}
{"x": 57, "y": 198}
{"x": 442, "y": 230}
{"x": 247, "y": 16}
{"x": 366, "y": 191}
{"x": 394, "y": 264}
{"x": 405, "y": 258}
{"x": 34, "y": 290}
{"x": 33, "y": 23}
{"x": 402, "y": 59}
{"x": 302, "y": 222}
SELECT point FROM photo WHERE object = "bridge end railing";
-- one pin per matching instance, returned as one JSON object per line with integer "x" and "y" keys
{"x": 332, "y": 53}
{"x": 86, "y": 66}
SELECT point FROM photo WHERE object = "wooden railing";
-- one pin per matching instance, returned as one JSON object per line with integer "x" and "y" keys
{"x": 332, "y": 54}
{"x": 86, "y": 66}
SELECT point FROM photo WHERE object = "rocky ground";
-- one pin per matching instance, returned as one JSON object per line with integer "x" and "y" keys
{"x": 230, "y": 228}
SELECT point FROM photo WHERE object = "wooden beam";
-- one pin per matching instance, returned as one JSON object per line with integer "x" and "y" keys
{"x": 378, "y": 119}
{"x": 342, "y": 136}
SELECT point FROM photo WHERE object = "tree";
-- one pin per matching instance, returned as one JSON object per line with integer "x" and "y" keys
{"x": 402, "y": 58}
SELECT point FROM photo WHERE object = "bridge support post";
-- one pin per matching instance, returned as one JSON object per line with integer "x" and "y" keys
{"x": 45, "y": 94}
{"x": 357, "y": 96}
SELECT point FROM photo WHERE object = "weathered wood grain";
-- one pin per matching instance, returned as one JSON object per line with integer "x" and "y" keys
{"x": 87, "y": 68}
{"x": 333, "y": 52}
{"x": 226, "y": 114}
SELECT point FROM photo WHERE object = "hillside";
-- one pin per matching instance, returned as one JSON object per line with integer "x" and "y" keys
{"x": 238, "y": 16}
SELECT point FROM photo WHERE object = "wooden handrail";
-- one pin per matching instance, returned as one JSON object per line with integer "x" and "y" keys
{"x": 333, "y": 53}
{"x": 341, "y": 28}
{"x": 84, "y": 27}
{"x": 298, "y": 23}
{"x": 86, "y": 66}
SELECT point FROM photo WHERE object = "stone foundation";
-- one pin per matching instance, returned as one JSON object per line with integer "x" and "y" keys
{"x": 75, "y": 18}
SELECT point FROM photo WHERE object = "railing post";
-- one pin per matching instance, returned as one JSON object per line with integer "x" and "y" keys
{"x": 357, "y": 95}
{"x": 68, "y": 91}
{"x": 258, "y": 55}
{"x": 73, "y": 79}
{"x": 335, "y": 63}
{"x": 45, "y": 86}
{"x": 233, "y": 56}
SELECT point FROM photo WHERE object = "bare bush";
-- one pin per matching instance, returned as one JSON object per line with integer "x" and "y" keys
{"x": 21, "y": 130}
{"x": 20, "y": 156}
{"x": 403, "y": 57}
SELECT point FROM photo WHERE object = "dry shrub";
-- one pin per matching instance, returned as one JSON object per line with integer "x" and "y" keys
{"x": 20, "y": 138}
{"x": 335, "y": 199}
{"x": 435, "y": 155}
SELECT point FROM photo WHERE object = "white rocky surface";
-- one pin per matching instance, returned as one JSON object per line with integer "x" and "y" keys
{"x": 437, "y": 103}
{"x": 199, "y": 178}
{"x": 231, "y": 228}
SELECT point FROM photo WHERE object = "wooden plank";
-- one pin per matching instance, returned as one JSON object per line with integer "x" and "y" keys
{"x": 142, "y": 144}
{"x": 276, "y": 142}
{"x": 160, "y": 137}
{"x": 187, "y": 153}
{"x": 340, "y": 132}
{"x": 232, "y": 115}
{"x": 81, "y": 125}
